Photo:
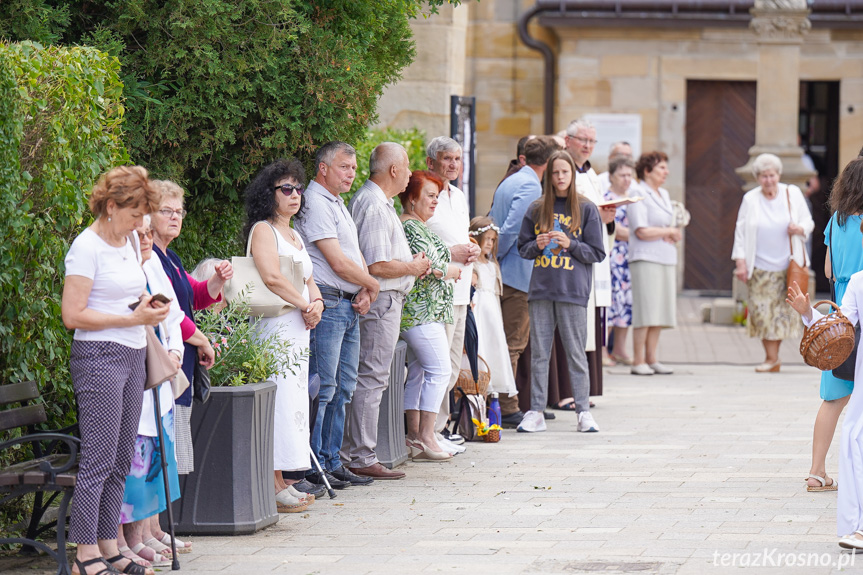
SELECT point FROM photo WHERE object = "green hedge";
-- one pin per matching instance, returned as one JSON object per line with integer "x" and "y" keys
{"x": 60, "y": 127}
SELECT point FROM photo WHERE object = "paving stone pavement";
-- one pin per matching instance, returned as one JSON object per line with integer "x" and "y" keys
{"x": 687, "y": 471}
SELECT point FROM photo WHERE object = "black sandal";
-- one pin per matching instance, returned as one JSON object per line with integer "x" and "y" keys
{"x": 82, "y": 567}
{"x": 131, "y": 569}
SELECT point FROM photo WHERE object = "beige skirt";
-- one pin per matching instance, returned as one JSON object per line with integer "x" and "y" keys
{"x": 654, "y": 294}
{"x": 769, "y": 316}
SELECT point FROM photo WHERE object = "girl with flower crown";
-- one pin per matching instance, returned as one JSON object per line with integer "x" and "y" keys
{"x": 489, "y": 320}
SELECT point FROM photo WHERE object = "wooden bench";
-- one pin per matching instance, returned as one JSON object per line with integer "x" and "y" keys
{"x": 51, "y": 472}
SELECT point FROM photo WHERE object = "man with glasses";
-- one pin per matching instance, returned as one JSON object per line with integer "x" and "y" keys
{"x": 580, "y": 141}
{"x": 386, "y": 251}
{"x": 347, "y": 290}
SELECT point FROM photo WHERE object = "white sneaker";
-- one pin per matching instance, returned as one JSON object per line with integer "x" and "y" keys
{"x": 448, "y": 445}
{"x": 661, "y": 369}
{"x": 532, "y": 421}
{"x": 586, "y": 422}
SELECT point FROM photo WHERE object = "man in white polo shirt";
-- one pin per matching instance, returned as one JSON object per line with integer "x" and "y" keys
{"x": 451, "y": 222}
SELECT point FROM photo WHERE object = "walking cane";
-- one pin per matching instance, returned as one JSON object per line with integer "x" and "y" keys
{"x": 175, "y": 563}
{"x": 330, "y": 490}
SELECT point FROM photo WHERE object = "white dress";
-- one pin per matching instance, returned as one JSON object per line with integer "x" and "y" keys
{"x": 489, "y": 327}
{"x": 291, "y": 429}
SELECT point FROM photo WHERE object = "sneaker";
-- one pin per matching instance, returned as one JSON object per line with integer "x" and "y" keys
{"x": 511, "y": 420}
{"x": 452, "y": 437}
{"x": 533, "y": 421}
{"x": 660, "y": 369}
{"x": 345, "y": 474}
{"x": 641, "y": 369}
{"x": 586, "y": 422}
{"x": 448, "y": 445}
{"x": 548, "y": 415}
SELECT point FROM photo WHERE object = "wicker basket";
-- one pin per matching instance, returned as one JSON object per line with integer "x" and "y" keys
{"x": 492, "y": 436}
{"x": 828, "y": 342}
{"x": 471, "y": 387}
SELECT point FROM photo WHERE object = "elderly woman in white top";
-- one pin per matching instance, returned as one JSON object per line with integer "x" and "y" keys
{"x": 652, "y": 264}
{"x": 141, "y": 539}
{"x": 772, "y": 226}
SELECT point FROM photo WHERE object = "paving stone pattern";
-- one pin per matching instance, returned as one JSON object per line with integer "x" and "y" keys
{"x": 688, "y": 470}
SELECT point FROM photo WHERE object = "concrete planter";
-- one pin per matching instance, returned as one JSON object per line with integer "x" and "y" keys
{"x": 231, "y": 490}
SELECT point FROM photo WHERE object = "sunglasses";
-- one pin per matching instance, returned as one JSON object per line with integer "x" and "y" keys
{"x": 289, "y": 189}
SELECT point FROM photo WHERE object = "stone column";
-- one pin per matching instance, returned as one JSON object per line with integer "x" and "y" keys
{"x": 780, "y": 26}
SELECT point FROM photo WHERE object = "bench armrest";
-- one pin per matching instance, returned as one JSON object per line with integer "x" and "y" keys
{"x": 71, "y": 442}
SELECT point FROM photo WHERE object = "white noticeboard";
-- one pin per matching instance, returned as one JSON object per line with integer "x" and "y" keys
{"x": 612, "y": 128}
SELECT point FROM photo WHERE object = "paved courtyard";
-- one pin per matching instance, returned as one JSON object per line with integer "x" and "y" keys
{"x": 698, "y": 472}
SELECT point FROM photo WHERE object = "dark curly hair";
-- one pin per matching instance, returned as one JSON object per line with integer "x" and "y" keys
{"x": 260, "y": 195}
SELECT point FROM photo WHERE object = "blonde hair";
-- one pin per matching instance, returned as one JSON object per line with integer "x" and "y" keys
{"x": 170, "y": 190}
{"x": 126, "y": 186}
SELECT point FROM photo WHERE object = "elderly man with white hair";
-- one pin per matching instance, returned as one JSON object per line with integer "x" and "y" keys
{"x": 388, "y": 256}
{"x": 772, "y": 226}
{"x": 451, "y": 222}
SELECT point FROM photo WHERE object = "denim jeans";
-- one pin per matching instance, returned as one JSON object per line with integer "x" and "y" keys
{"x": 334, "y": 347}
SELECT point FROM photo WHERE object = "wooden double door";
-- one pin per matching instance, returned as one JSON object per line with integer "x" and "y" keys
{"x": 720, "y": 129}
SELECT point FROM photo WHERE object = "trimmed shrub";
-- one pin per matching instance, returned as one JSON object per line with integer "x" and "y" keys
{"x": 60, "y": 119}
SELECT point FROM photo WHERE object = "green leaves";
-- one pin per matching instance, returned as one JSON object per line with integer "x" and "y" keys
{"x": 60, "y": 127}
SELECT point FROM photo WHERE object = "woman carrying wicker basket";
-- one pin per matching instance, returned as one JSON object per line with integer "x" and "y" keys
{"x": 772, "y": 226}
{"x": 849, "y": 508}
{"x": 843, "y": 238}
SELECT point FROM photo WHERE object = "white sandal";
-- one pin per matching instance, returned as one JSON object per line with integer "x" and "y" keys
{"x": 159, "y": 560}
{"x": 852, "y": 542}
{"x": 823, "y": 487}
{"x": 182, "y": 546}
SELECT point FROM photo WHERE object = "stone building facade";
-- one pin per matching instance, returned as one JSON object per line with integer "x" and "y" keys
{"x": 749, "y": 85}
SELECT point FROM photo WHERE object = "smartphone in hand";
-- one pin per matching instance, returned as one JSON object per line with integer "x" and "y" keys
{"x": 159, "y": 297}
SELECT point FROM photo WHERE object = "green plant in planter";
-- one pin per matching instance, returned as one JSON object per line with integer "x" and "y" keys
{"x": 242, "y": 354}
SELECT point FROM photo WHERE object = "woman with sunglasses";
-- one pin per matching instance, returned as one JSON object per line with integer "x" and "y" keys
{"x": 167, "y": 223}
{"x": 272, "y": 199}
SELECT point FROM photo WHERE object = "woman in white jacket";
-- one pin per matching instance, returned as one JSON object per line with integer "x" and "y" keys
{"x": 772, "y": 226}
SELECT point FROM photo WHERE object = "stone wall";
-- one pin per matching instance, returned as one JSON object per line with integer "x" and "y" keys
{"x": 422, "y": 98}
{"x": 475, "y": 50}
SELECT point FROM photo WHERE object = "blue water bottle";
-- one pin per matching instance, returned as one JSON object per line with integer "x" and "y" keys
{"x": 494, "y": 410}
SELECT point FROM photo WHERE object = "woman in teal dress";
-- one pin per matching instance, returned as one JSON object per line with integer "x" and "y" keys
{"x": 842, "y": 238}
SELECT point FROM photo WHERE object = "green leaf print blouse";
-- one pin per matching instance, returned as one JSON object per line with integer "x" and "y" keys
{"x": 430, "y": 300}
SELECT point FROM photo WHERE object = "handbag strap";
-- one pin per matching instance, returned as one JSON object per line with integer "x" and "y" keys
{"x": 252, "y": 233}
{"x": 790, "y": 244}
{"x": 832, "y": 277}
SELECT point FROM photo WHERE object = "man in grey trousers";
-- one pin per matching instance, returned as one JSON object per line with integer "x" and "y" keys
{"x": 386, "y": 251}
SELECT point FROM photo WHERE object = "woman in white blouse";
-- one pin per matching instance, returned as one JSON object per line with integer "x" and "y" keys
{"x": 652, "y": 264}
{"x": 772, "y": 226}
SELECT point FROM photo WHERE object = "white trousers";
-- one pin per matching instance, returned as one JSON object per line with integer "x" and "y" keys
{"x": 428, "y": 366}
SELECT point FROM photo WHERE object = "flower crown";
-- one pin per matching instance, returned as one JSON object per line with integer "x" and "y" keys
{"x": 481, "y": 231}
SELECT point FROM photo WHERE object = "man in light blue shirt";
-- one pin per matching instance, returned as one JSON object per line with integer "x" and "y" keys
{"x": 511, "y": 201}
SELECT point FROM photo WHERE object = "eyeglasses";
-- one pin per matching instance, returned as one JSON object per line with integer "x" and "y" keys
{"x": 148, "y": 234}
{"x": 289, "y": 189}
{"x": 169, "y": 213}
{"x": 584, "y": 140}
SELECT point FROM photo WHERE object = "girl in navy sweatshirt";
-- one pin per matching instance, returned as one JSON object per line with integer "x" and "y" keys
{"x": 562, "y": 233}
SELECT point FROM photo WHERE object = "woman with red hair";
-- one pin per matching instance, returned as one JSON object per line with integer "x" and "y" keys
{"x": 427, "y": 308}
